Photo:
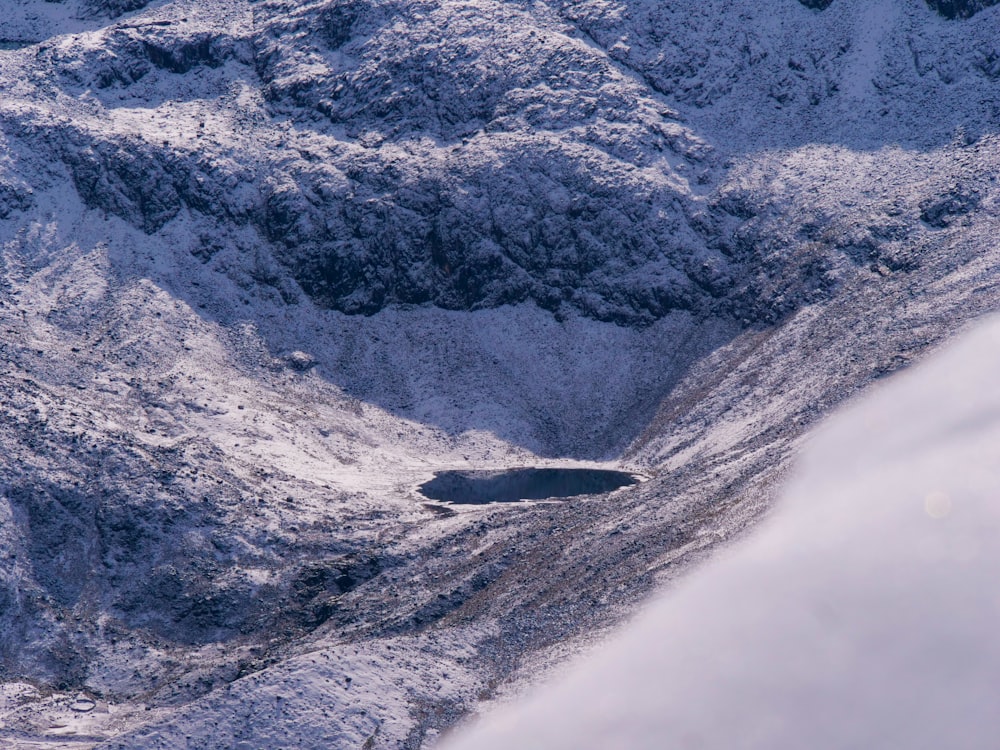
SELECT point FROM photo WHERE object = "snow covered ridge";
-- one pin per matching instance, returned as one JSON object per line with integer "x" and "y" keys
{"x": 861, "y": 614}
{"x": 384, "y": 153}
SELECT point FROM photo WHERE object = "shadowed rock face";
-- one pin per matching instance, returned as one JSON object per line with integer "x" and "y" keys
{"x": 947, "y": 8}
{"x": 504, "y": 207}
{"x": 959, "y": 8}
{"x": 111, "y": 8}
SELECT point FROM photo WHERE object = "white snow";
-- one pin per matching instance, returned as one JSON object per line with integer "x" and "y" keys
{"x": 862, "y": 614}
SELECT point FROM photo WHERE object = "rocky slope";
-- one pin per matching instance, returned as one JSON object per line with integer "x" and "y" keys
{"x": 267, "y": 266}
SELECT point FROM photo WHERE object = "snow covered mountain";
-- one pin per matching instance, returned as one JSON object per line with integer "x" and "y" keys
{"x": 857, "y": 615}
{"x": 267, "y": 266}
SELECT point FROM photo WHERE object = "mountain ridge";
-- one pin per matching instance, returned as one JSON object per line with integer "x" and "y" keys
{"x": 266, "y": 267}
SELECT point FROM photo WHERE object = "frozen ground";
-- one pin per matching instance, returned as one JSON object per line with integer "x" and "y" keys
{"x": 266, "y": 267}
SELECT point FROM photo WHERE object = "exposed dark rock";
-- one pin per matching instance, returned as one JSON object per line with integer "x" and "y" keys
{"x": 111, "y": 8}
{"x": 300, "y": 361}
{"x": 960, "y": 8}
{"x": 122, "y": 179}
{"x": 336, "y": 20}
{"x": 987, "y": 61}
{"x": 186, "y": 53}
{"x": 941, "y": 211}
{"x": 14, "y": 197}
{"x": 816, "y": 4}
{"x": 316, "y": 589}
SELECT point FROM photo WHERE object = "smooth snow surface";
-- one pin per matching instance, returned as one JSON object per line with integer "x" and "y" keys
{"x": 861, "y": 615}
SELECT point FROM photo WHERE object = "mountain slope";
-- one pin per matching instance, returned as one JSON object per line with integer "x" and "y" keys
{"x": 268, "y": 266}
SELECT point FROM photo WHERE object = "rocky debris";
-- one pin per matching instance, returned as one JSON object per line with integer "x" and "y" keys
{"x": 14, "y": 197}
{"x": 941, "y": 211}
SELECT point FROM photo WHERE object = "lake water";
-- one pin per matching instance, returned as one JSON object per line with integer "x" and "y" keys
{"x": 514, "y": 485}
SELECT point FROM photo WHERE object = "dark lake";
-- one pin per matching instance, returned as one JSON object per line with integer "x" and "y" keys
{"x": 513, "y": 485}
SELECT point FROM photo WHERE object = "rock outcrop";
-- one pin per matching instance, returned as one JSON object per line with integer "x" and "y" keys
{"x": 960, "y": 8}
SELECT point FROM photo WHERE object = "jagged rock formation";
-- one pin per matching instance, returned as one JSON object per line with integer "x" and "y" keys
{"x": 595, "y": 209}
